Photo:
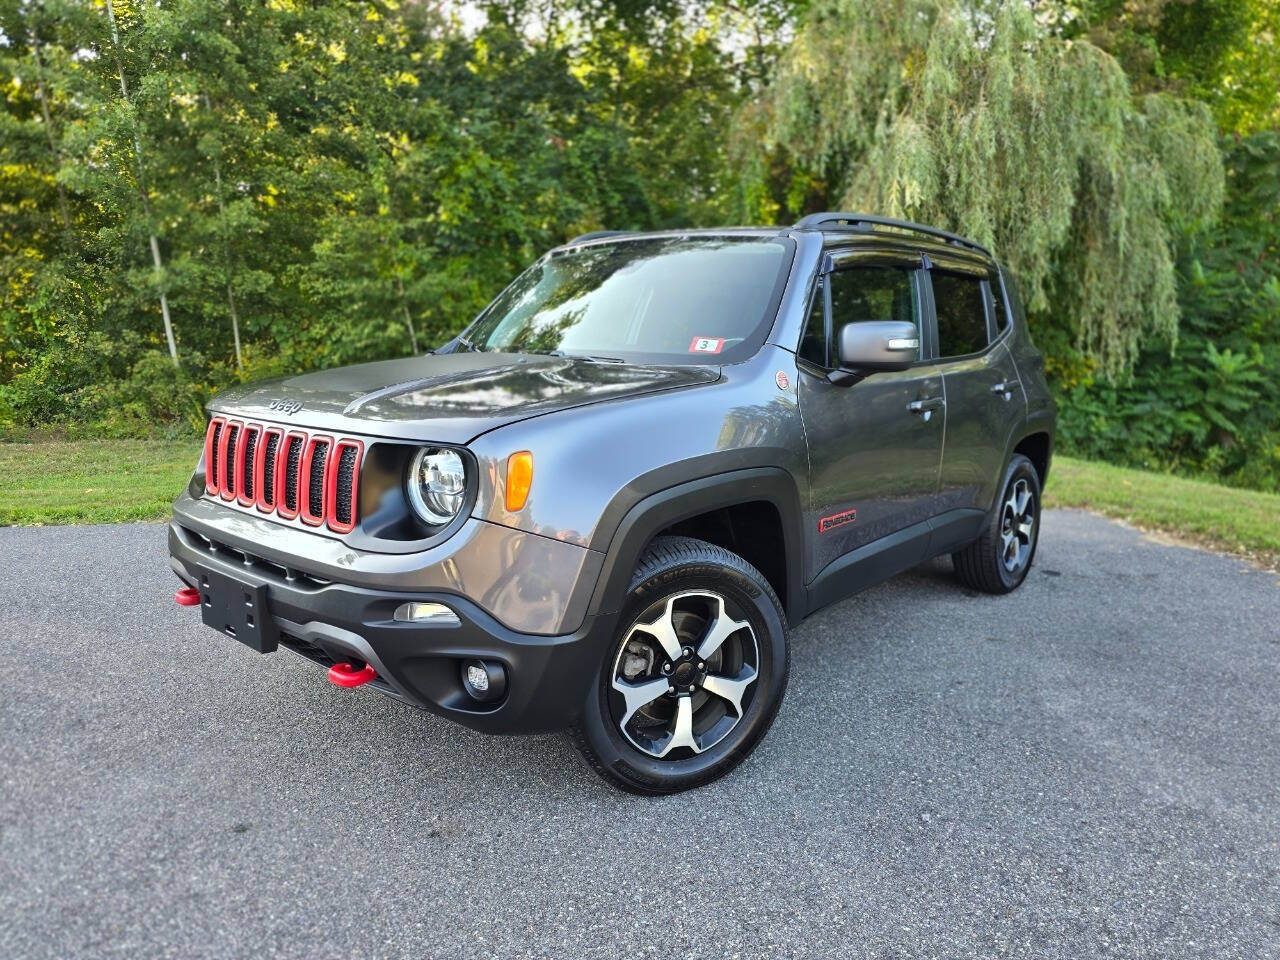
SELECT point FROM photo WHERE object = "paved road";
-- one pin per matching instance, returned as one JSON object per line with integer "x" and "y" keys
{"x": 1089, "y": 768}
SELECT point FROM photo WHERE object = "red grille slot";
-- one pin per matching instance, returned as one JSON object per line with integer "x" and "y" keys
{"x": 288, "y": 468}
{"x": 248, "y": 480}
{"x": 312, "y": 492}
{"x": 342, "y": 485}
{"x": 265, "y": 468}
{"x": 227, "y": 459}
{"x": 212, "y": 439}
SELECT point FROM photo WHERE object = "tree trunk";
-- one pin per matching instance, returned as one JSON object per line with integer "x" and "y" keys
{"x": 53, "y": 144}
{"x": 156, "y": 259}
{"x": 226, "y": 251}
{"x": 408, "y": 320}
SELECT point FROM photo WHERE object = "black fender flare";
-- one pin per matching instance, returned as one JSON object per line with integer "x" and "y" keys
{"x": 660, "y": 510}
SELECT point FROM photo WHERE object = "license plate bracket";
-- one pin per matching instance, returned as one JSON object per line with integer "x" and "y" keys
{"x": 237, "y": 609}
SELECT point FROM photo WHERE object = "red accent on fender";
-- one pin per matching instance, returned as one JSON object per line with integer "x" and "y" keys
{"x": 304, "y": 482}
{"x": 331, "y": 485}
{"x": 211, "y": 454}
{"x": 187, "y": 597}
{"x": 345, "y": 675}
{"x": 260, "y": 470}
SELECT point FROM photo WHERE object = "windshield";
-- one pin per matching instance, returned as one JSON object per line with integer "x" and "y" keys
{"x": 655, "y": 299}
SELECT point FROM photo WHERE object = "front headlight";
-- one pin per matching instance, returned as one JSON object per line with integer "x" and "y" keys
{"x": 437, "y": 485}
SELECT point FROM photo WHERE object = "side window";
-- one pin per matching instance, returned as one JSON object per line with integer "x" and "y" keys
{"x": 872, "y": 293}
{"x": 813, "y": 345}
{"x": 962, "y": 313}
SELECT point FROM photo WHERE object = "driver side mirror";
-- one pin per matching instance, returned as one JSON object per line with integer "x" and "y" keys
{"x": 874, "y": 346}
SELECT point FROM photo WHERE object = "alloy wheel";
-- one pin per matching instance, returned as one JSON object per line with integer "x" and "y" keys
{"x": 1017, "y": 526}
{"x": 684, "y": 675}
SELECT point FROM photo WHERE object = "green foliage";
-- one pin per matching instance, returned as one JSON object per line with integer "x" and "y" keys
{"x": 977, "y": 119}
{"x": 1209, "y": 402}
{"x": 331, "y": 183}
{"x": 346, "y": 181}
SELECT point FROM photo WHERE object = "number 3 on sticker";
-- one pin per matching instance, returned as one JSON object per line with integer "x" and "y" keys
{"x": 706, "y": 345}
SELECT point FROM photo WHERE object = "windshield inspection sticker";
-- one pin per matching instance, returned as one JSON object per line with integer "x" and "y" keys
{"x": 706, "y": 345}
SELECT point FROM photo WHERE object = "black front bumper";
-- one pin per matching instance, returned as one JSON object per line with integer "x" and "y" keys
{"x": 548, "y": 678}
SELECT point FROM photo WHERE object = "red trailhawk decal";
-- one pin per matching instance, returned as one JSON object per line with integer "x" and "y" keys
{"x": 706, "y": 345}
{"x": 844, "y": 517}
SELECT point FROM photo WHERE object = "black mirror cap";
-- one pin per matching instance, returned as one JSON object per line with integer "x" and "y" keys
{"x": 874, "y": 346}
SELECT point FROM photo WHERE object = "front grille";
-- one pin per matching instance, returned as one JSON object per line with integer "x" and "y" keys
{"x": 292, "y": 465}
{"x": 343, "y": 504}
{"x": 268, "y": 497}
{"x": 211, "y": 439}
{"x": 248, "y": 489}
{"x": 228, "y": 484}
{"x": 316, "y": 476}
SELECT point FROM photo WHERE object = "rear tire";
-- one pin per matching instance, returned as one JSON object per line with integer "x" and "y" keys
{"x": 694, "y": 676}
{"x": 999, "y": 560}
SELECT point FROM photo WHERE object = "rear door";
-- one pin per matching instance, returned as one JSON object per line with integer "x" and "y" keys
{"x": 874, "y": 447}
{"x": 985, "y": 401}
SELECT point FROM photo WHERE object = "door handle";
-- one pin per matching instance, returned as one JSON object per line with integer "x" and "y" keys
{"x": 925, "y": 408}
{"x": 1004, "y": 388}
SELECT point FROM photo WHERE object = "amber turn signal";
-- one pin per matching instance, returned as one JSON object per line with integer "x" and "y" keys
{"x": 519, "y": 479}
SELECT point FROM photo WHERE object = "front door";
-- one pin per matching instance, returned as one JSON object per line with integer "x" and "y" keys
{"x": 874, "y": 447}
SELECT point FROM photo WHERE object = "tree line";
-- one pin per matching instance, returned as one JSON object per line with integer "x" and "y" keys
{"x": 199, "y": 192}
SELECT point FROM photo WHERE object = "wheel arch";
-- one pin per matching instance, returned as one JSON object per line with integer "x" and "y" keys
{"x": 1036, "y": 446}
{"x": 767, "y": 493}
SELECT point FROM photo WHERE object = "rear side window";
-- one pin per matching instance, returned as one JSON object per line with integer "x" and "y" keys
{"x": 962, "y": 313}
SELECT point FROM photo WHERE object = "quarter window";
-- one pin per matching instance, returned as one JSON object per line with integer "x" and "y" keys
{"x": 962, "y": 313}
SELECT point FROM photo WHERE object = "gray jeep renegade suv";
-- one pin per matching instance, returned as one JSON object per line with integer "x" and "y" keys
{"x": 604, "y": 505}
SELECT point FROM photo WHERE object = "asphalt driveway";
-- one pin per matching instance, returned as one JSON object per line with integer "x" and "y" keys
{"x": 1088, "y": 768}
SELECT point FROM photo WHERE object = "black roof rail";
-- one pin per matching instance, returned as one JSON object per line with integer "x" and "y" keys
{"x": 596, "y": 235}
{"x": 866, "y": 223}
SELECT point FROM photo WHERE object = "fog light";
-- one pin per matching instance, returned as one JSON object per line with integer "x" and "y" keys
{"x": 434, "y": 614}
{"x": 484, "y": 680}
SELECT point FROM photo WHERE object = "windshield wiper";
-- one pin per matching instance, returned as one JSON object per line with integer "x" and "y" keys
{"x": 584, "y": 356}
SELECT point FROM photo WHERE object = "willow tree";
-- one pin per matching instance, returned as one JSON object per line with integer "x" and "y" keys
{"x": 970, "y": 116}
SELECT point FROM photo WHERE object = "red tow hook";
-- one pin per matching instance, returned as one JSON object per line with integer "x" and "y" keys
{"x": 187, "y": 597}
{"x": 345, "y": 675}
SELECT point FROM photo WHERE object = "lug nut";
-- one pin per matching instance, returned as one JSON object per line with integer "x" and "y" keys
{"x": 666, "y": 668}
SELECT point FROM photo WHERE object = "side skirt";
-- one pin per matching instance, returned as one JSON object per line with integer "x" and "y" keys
{"x": 881, "y": 559}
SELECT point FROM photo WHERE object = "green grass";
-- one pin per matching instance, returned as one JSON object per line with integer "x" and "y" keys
{"x": 92, "y": 481}
{"x": 1239, "y": 521}
{"x": 114, "y": 481}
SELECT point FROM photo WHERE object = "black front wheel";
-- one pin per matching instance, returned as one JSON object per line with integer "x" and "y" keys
{"x": 695, "y": 675}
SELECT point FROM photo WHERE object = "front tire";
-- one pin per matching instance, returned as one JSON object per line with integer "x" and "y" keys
{"x": 695, "y": 675}
{"x": 999, "y": 560}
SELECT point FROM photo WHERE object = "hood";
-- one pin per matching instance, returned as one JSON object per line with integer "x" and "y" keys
{"x": 449, "y": 398}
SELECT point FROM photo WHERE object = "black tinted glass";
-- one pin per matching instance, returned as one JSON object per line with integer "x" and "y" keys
{"x": 660, "y": 299}
{"x": 872, "y": 293}
{"x": 813, "y": 345}
{"x": 962, "y": 314}
{"x": 997, "y": 301}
